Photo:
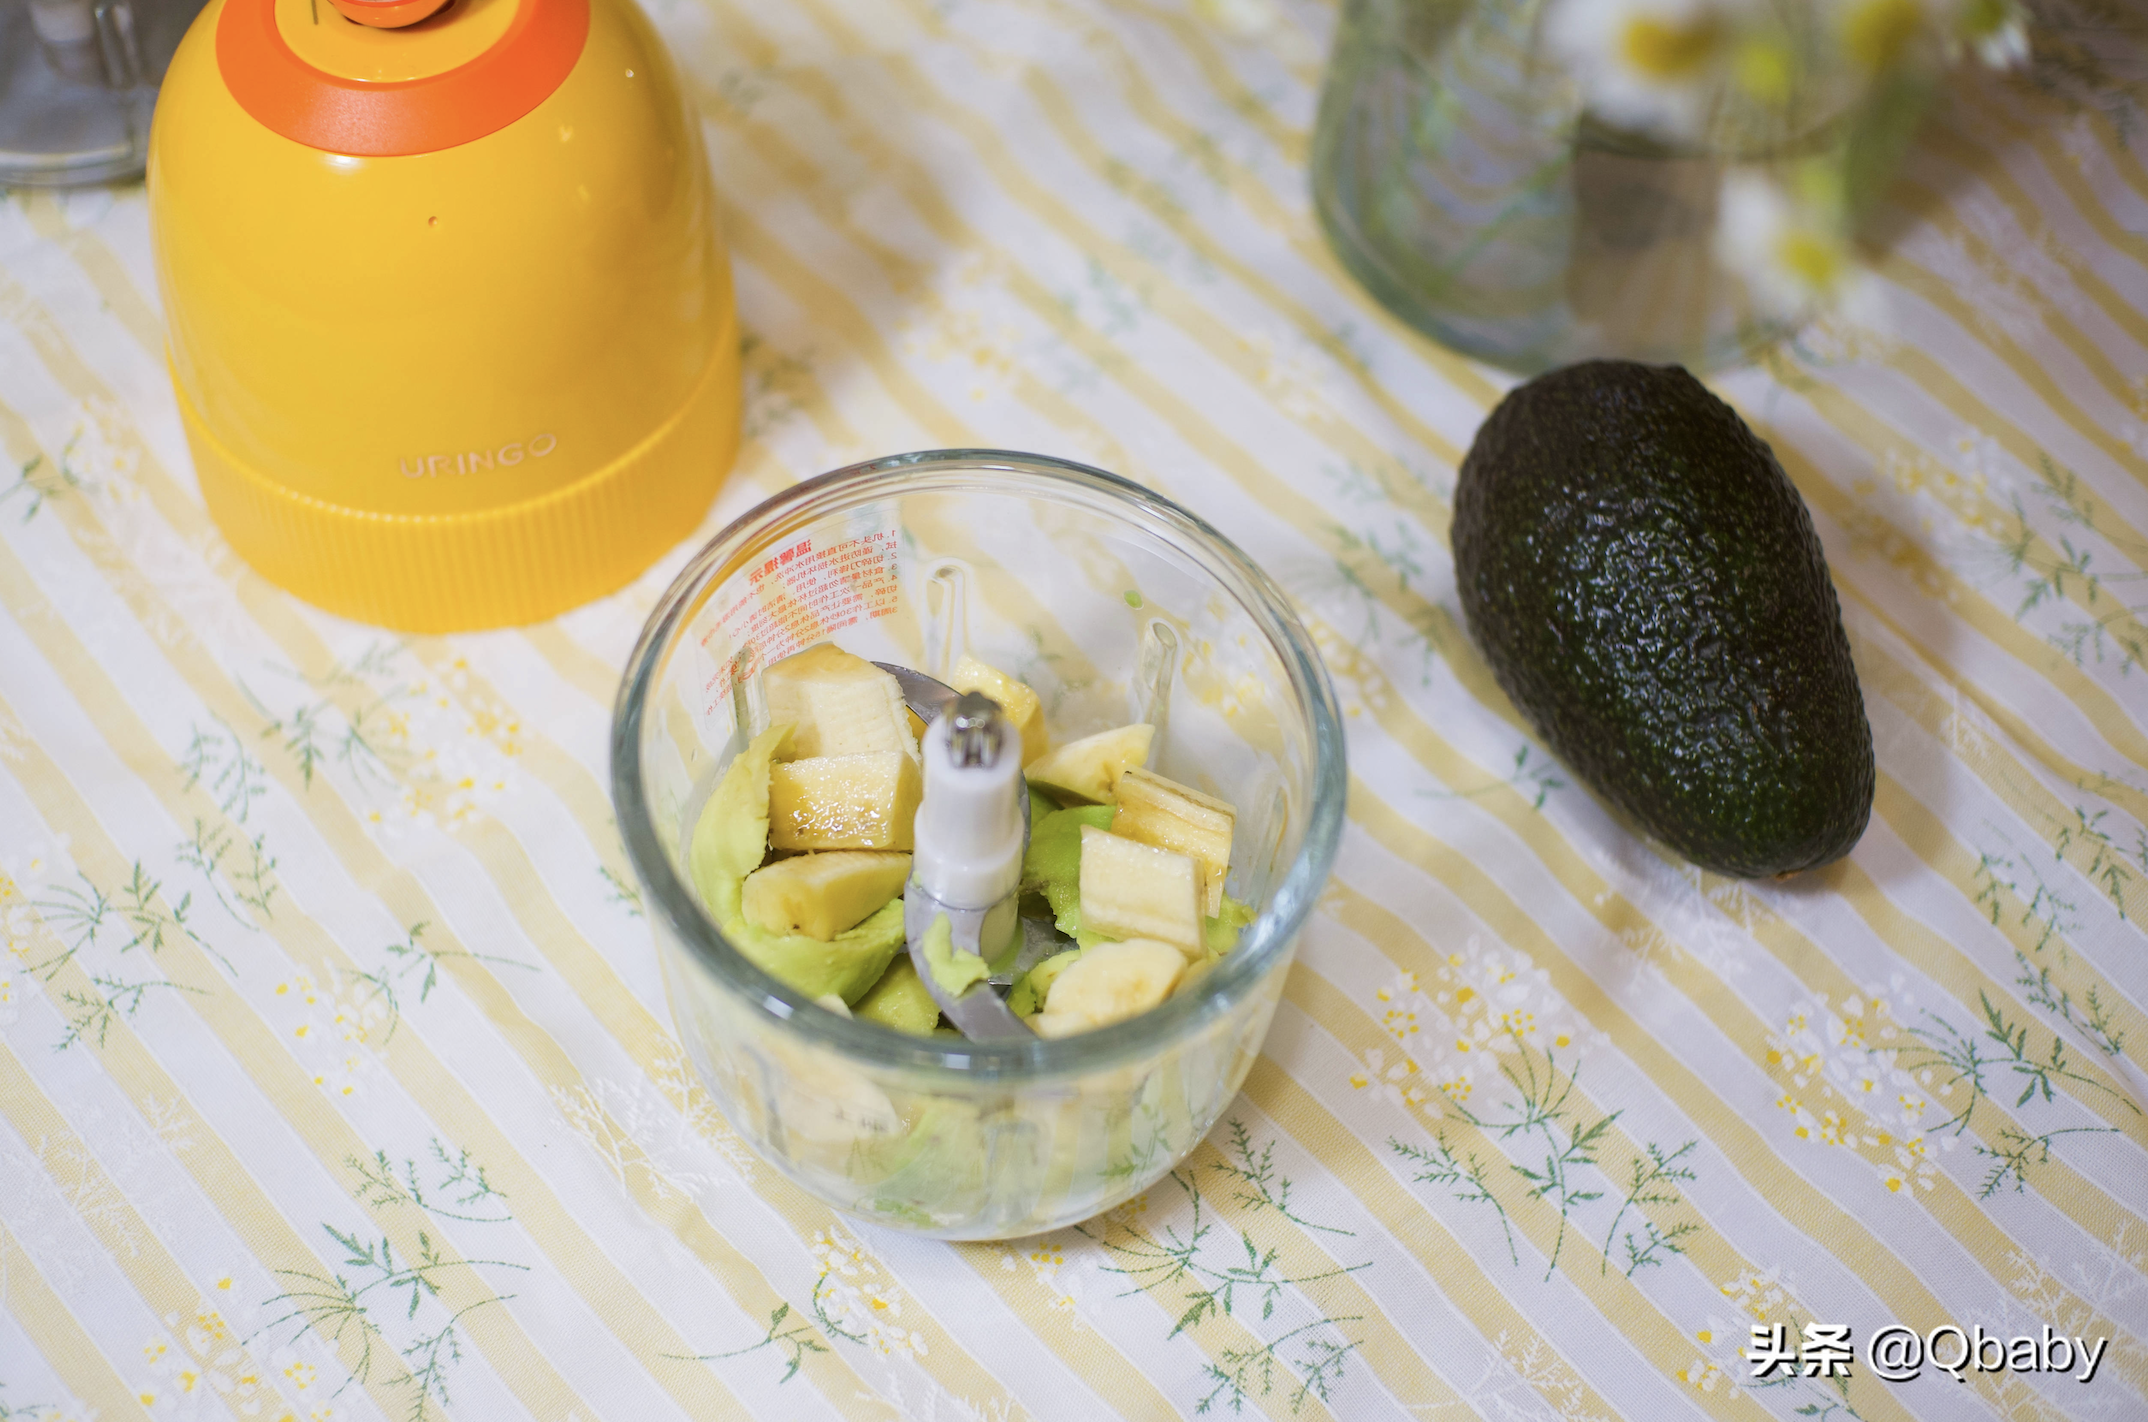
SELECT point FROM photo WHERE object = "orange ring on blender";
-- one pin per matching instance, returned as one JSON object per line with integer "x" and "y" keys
{"x": 387, "y": 120}
{"x": 386, "y": 14}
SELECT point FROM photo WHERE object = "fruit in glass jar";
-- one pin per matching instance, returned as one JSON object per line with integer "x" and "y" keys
{"x": 1052, "y": 865}
{"x": 845, "y": 802}
{"x": 839, "y": 704}
{"x": 1020, "y": 705}
{"x": 729, "y": 843}
{"x": 1164, "y": 813}
{"x": 900, "y": 1000}
{"x": 1109, "y": 983}
{"x": 1089, "y": 769}
{"x": 1132, "y": 890}
{"x": 821, "y": 895}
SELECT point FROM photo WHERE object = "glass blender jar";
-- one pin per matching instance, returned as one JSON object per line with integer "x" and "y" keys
{"x": 1115, "y": 606}
{"x": 78, "y": 80}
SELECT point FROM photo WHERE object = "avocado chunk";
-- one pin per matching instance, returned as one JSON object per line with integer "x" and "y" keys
{"x": 900, "y": 1000}
{"x": 1052, "y": 865}
{"x": 1646, "y": 584}
{"x": 729, "y": 842}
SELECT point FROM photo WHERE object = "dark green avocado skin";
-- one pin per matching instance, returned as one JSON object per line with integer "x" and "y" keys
{"x": 1646, "y": 584}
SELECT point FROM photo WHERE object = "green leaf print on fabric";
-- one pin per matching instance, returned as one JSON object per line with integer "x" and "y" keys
{"x": 457, "y": 1180}
{"x": 792, "y": 1344}
{"x": 341, "y": 1310}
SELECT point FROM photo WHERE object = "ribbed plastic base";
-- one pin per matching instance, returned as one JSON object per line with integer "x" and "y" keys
{"x": 497, "y": 567}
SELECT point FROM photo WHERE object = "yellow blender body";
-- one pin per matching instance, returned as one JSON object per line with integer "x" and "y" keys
{"x": 464, "y": 386}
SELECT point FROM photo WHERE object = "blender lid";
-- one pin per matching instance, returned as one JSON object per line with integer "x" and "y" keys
{"x": 401, "y": 78}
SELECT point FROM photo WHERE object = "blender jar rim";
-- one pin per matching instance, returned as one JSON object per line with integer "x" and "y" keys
{"x": 667, "y": 893}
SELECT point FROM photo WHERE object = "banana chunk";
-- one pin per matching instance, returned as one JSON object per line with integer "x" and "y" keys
{"x": 1023, "y": 708}
{"x": 1178, "y": 817}
{"x": 840, "y": 704}
{"x": 1110, "y": 983}
{"x": 821, "y": 895}
{"x": 1089, "y": 769}
{"x": 845, "y": 802}
{"x": 1133, "y": 890}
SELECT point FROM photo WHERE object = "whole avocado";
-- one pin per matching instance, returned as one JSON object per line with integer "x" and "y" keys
{"x": 1647, "y": 586}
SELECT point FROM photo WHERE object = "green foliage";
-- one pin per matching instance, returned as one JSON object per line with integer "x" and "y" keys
{"x": 220, "y": 856}
{"x": 38, "y": 484}
{"x": 457, "y": 1180}
{"x": 1467, "y": 1177}
{"x": 219, "y": 759}
{"x": 1655, "y": 1180}
{"x": 1242, "y": 1375}
{"x": 90, "y": 1015}
{"x": 1226, "y": 1277}
{"x": 1259, "y": 1185}
{"x": 410, "y": 959}
{"x": 339, "y": 1306}
{"x": 1544, "y": 1115}
{"x": 792, "y": 1344}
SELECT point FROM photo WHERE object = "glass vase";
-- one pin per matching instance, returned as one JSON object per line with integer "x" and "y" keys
{"x": 1460, "y": 178}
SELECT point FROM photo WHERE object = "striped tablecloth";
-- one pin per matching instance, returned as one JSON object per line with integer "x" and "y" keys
{"x": 335, "y": 1076}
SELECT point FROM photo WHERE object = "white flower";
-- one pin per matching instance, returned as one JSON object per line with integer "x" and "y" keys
{"x": 1650, "y": 64}
{"x": 1795, "y": 257}
{"x": 1998, "y": 30}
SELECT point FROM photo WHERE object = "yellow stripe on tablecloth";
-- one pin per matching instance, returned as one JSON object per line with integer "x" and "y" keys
{"x": 1947, "y": 389}
{"x": 2010, "y": 722}
{"x": 2083, "y": 1201}
{"x": 1865, "y": 428}
{"x": 2110, "y": 140}
{"x": 1087, "y": 1353}
{"x": 52, "y": 1328}
{"x": 1408, "y": 1376}
{"x": 1652, "y": 1334}
{"x": 260, "y": 1052}
{"x": 90, "y": 252}
{"x": 1402, "y": 945}
{"x": 1445, "y": 1260}
{"x": 1954, "y": 596}
{"x": 580, "y": 1260}
{"x": 1968, "y": 499}
{"x": 1013, "y": 178}
{"x": 575, "y": 664}
{"x": 527, "y": 890}
{"x": 1984, "y": 755}
{"x": 158, "y": 1278}
{"x": 832, "y": 308}
{"x": 1933, "y": 206}
{"x": 1290, "y": 142}
{"x": 1800, "y": 1203}
{"x": 522, "y": 888}
{"x": 216, "y": 1170}
{"x": 1984, "y": 134}
{"x": 1926, "y": 836}
{"x": 1214, "y": 1336}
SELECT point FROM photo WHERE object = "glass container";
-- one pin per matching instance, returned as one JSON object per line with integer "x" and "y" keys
{"x": 1115, "y": 605}
{"x": 1460, "y": 178}
{"x": 78, "y": 80}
